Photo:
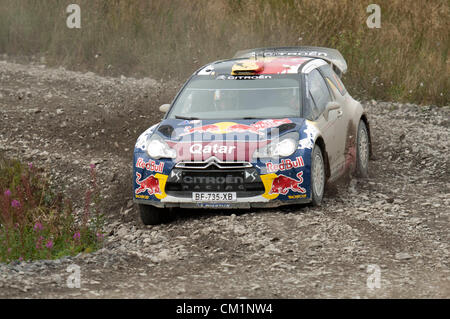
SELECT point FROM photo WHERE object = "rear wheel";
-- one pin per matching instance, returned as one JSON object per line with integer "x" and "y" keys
{"x": 151, "y": 215}
{"x": 317, "y": 176}
{"x": 362, "y": 151}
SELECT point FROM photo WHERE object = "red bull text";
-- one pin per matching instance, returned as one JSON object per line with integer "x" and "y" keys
{"x": 285, "y": 165}
{"x": 150, "y": 165}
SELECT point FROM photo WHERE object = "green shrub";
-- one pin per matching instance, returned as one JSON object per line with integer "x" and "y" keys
{"x": 38, "y": 223}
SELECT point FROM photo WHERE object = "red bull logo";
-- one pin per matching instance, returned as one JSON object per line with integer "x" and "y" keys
{"x": 285, "y": 165}
{"x": 150, "y": 184}
{"x": 283, "y": 184}
{"x": 232, "y": 127}
{"x": 150, "y": 165}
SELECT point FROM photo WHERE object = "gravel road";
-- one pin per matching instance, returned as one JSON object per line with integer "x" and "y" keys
{"x": 395, "y": 223}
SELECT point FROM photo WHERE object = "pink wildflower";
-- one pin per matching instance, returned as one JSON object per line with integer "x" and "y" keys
{"x": 49, "y": 244}
{"x": 15, "y": 203}
{"x": 37, "y": 227}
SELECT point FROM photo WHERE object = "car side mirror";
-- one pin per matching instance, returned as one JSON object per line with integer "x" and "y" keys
{"x": 331, "y": 106}
{"x": 164, "y": 108}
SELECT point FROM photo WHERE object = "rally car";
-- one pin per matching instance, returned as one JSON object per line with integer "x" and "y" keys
{"x": 269, "y": 127}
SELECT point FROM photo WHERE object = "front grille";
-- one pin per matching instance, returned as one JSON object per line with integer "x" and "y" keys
{"x": 245, "y": 182}
{"x": 213, "y": 165}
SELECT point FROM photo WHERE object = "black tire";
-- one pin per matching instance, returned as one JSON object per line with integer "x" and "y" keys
{"x": 362, "y": 151}
{"x": 317, "y": 192}
{"x": 151, "y": 215}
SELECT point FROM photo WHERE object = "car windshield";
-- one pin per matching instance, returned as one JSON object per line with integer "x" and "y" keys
{"x": 238, "y": 99}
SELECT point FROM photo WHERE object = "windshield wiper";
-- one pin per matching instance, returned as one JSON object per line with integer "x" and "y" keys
{"x": 179, "y": 117}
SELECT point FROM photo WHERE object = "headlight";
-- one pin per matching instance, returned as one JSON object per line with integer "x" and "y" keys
{"x": 285, "y": 146}
{"x": 157, "y": 148}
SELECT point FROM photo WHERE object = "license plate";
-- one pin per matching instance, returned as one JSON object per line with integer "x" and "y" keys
{"x": 214, "y": 197}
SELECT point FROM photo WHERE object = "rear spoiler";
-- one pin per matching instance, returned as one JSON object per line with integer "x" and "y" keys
{"x": 332, "y": 56}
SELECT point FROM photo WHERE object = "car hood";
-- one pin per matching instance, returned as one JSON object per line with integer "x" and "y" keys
{"x": 182, "y": 130}
{"x": 233, "y": 140}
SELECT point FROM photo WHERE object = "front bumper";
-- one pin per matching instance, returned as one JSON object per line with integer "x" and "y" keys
{"x": 163, "y": 184}
{"x": 248, "y": 202}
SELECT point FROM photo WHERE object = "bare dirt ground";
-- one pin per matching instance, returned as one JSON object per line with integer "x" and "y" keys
{"x": 397, "y": 219}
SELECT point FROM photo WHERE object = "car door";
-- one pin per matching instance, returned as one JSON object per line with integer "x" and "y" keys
{"x": 343, "y": 133}
{"x": 329, "y": 124}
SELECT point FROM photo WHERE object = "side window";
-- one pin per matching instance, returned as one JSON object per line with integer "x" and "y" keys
{"x": 334, "y": 78}
{"x": 318, "y": 92}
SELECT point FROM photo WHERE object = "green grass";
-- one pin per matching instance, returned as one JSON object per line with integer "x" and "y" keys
{"x": 408, "y": 55}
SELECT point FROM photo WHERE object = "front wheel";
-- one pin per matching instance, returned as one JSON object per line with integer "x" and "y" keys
{"x": 317, "y": 176}
{"x": 362, "y": 151}
{"x": 151, "y": 215}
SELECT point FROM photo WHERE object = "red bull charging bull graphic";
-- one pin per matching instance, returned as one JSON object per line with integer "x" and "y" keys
{"x": 149, "y": 185}
{"x": 283, "y": 184}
